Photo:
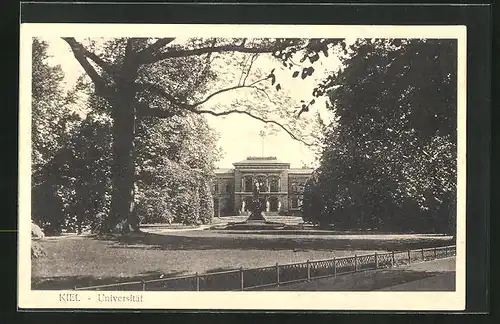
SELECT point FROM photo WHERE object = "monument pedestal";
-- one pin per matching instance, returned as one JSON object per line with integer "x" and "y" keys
{"x": 256, "y": 210}
{"x": 256, "y": 217}
{"x": 256, "y": 220}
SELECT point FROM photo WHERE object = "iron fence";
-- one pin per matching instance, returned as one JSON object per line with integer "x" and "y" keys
{"x": 247, "y": 279}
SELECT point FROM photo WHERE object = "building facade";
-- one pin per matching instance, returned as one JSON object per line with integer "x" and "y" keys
{"x": 281, "y": 188}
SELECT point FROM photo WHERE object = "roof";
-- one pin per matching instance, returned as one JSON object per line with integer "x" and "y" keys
{"x": 260, "y": 160}
{"x": 223, "y": 170}
{"x": 300, "y": 171}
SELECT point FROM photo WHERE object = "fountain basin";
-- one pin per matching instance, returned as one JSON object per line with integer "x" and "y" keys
{"x": 253, "y": 225}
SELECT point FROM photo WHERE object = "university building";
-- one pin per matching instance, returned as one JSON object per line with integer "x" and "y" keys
{"x": 282, "y": 187}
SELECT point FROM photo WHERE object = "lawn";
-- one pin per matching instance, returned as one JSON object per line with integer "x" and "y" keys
{"x": 88, "y": 260}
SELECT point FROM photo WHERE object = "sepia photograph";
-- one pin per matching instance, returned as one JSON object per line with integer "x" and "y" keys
{"x": 224, "y": 166}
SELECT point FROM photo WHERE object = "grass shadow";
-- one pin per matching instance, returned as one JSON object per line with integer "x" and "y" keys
{"x": 192, "y": 242}
{"x": 221, "y": 269}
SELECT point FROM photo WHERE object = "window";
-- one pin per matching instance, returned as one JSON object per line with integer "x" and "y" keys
{"x": 216, "y": 187}
{"x": 297, "y": 187}
{"x": 295, "y": 203}
{"x": 274, "y": 184}
{"x": 228, "y": 188}
{"x": 262, "y": 183}
{"x": 247, "y": 184}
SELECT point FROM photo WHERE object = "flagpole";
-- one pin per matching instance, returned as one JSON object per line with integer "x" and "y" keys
{"x": 262, "y": 134}
{"x": 262, "y": 146}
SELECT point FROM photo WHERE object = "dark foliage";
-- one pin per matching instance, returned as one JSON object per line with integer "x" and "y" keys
{"x": 389, "y": 157}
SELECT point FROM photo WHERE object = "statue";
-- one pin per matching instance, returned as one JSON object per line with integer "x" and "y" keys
{"x": 243, "y": 207}
{"x": 279, "y": 205}
{"x": 267, "y": 206}
{"x": 256, "y": 189}
{"x": 256, "y": 209}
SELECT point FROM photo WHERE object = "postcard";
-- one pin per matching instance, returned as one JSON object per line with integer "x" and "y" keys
{"x": 248, "y": 167}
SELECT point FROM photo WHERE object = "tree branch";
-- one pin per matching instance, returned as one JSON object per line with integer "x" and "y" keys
{"x": 80, "y": 54}
{"x": 145, "y": 110}
{"x": 192, "y": 107}
{"x": 147, "y": 53}
{"x": 252, "y": 60}
{"x": 214, "y": 49}
{"x": 161, "y": 92}
{"x": 129, "y": 49}
{"x": 226, "y": 90}
{"x": 208, "y": 63}
{"x": 86, "y": 53}
{"x": 244, "y": 62}
{"x": 265, "y": 92}
{"x": 154, "y": 88}
{"x": 266, "y": 121}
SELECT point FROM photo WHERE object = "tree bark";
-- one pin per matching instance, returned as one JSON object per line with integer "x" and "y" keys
{"x": 123, "y": 217}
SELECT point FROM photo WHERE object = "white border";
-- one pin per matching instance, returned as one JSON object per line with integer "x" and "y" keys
{"x": 417, "y": 301}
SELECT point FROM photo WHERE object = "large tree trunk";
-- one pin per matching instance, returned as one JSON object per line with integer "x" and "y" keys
{"x": 123, "y": 218}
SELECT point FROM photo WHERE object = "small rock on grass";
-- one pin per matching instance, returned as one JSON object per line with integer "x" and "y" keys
{"x": 37, "y": 251}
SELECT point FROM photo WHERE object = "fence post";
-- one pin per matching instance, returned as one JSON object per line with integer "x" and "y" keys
{"x": 334, "y": 267}
{"x": 242, "y": 284}
{"x": 197, "y": 282}
{"x": 393, "y": 259}
{"x": 277, "y": 274}
{"x": 376, "y": 261}
{"x": 308, "y": 271}
{"x": 445, "y": 251}
{"x": 355, "y": 263}
{"x": 409, "y": 257}
{"x": 143, "y": 283}
{"x": 435, "y": 253}
{"x": 423, "y": 254}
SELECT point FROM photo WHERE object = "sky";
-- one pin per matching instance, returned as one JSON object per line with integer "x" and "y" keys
{"x": 239, "y": 134}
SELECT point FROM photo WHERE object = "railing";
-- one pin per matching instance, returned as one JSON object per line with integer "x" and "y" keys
{"x": 247, "y": 279}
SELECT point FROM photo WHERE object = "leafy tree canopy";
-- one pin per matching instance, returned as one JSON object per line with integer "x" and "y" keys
{"x": 389, "y": 156}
